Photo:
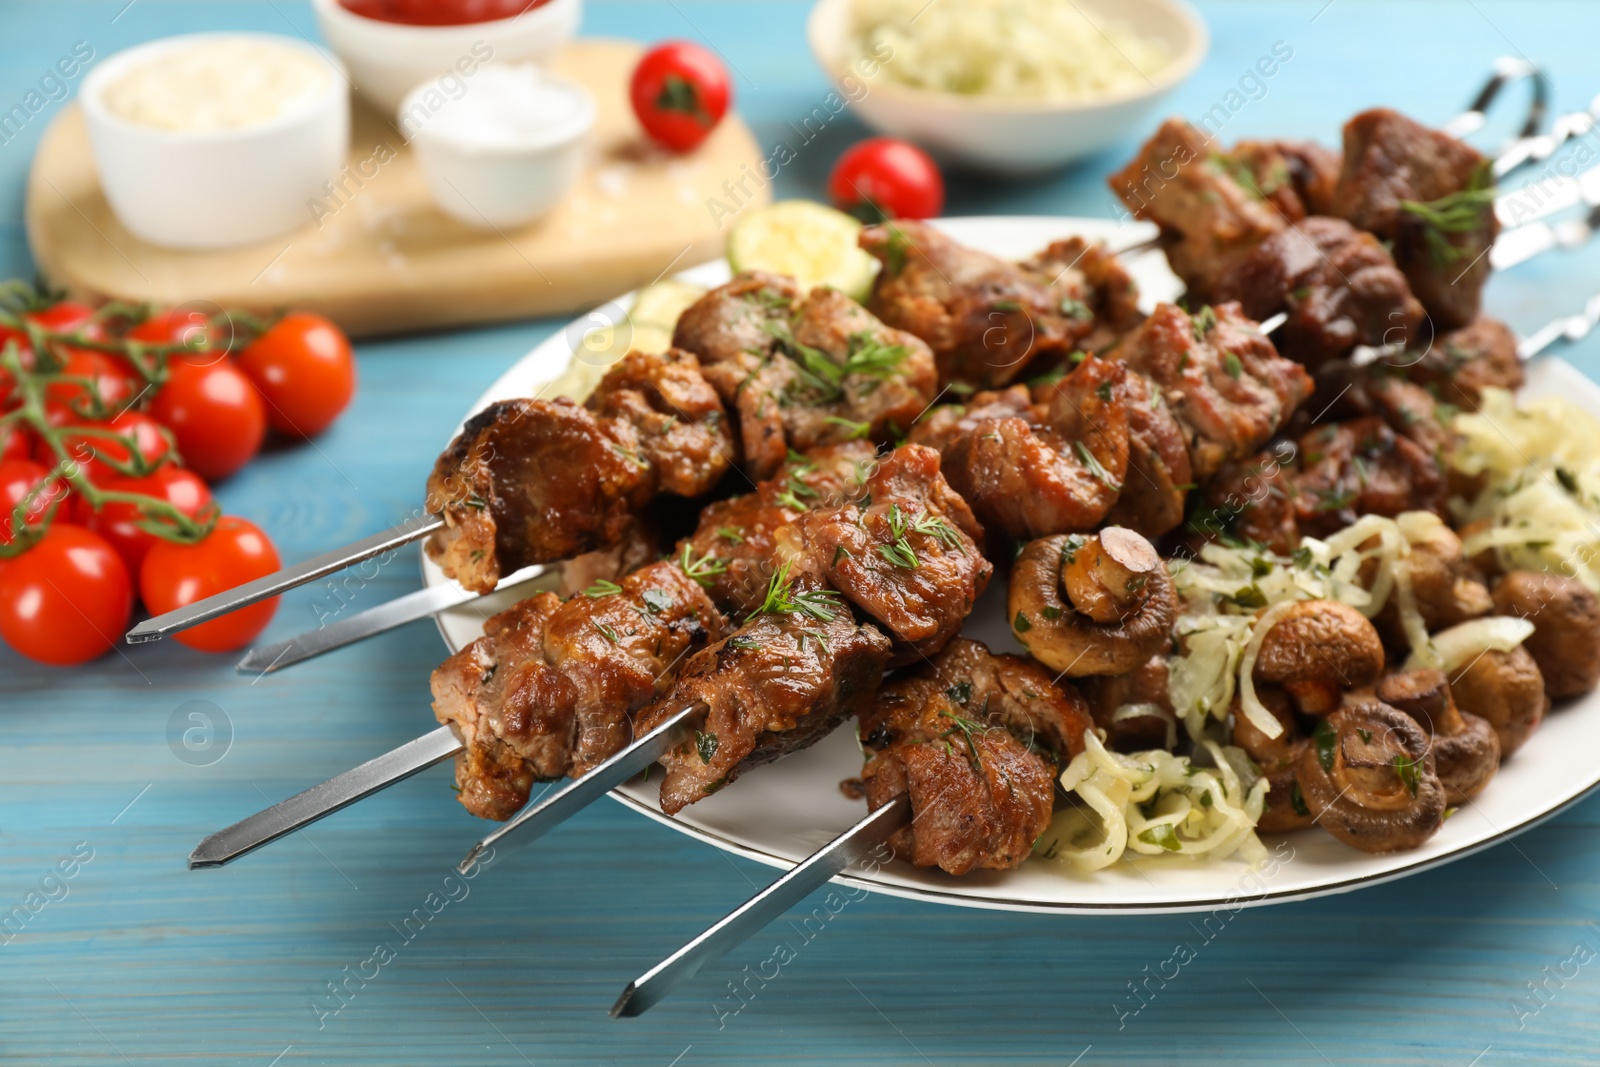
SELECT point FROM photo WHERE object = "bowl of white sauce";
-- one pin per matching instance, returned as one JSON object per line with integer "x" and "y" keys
{"x": 502, "y": 151}
{"x": 211, "y": 140}
{"x": 1006, "y": 86}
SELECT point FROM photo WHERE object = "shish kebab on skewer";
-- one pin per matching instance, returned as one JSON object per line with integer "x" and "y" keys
{"x": 1068, "y": 458}
{"x": 309, "y": 570}
{"x": 731, "y": 308}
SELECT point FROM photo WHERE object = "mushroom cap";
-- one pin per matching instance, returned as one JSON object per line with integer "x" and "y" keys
{"x": 1566, "y": 628}
{"x": 1321, "y": 641}
{"x": 1369, "y": 779}
{"x": 1466, "y": 750}
{"x": 1506, "y": 688}
{"x": 1060, "y": 636}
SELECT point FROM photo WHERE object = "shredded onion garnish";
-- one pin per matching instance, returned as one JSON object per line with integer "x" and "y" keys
{"x": 1233, "y": 595}
{"x": 1539, "y": 470}
{"x": 1465, "y": 642}
{"x": 1156, "y": 804}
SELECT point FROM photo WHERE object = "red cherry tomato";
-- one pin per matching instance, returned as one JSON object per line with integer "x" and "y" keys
{"x": 214, "y": 412}
{"x": 175, "y": 326}
{"x": 67, "y": 599}
{"x": 118, "y": 522}
{"x": 17, "y": 479}
{"x": 235, "y": 552}
{"x": 680, "y": 91}
{"x": 16, "y": 442}
{"x": 883, "y": 178}
{"x": 90, "y": 450}
{"x": 64, "y": 317}
{"x": 305, "y": 372}
{"x": 115, "y": 383}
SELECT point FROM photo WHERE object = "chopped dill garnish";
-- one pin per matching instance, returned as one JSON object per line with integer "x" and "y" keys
{"x": 604, "y": 587}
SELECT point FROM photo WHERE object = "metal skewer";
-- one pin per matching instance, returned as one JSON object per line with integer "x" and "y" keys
{"x": 320, "y": 801}
{"x": 849, "y": 848}
{"x": 282, "y": 581}
{"x": 375, "y": 620}
{"x": 535, "y": 820}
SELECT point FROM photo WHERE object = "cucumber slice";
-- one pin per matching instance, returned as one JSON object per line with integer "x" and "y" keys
{"x": 814, "y": 244}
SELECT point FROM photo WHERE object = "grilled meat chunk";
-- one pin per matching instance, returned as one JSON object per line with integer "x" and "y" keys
{"x": 534, "y": 481}
{"x": 516, "y": 714}
{"x": 1134, "y": 709}
{"x": 530, "y": 481}
{"x": 736, "y": 541}
{"x": 976, "y": 740}
{"x": 1251, "y": 499}
{"x": 1058, "y": 467}
{"x": 1223, "y": 381}
{"x": 1433, "y": 197}
{"x": 548, "y": 690}
{"x": 1093, "y": 285}
{"x": 1295, "y": 177}
{"x": 985, "y": 319}
{"x": 1338, "y": 284}
{"x": 675, "y": 417}
{"x": 1362, "y": 467}
{"x": 1210, "y": 222}
{"x": 779, "y": 684}
{"x": 1159, "y": 475}
{"x": 905, "y": 552}
{"x": 731, "y": 330}
{"x": 805, "y": 372}
{"x": 1460, "y": 365}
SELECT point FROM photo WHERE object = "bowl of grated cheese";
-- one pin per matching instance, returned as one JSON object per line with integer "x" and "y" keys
{"x": 1006, "y": 86}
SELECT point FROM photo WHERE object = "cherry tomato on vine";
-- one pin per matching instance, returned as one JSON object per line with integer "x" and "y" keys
{"x": 305, "y": 371}
{"x": 118, "y": 522}
{"x": 114, "y": 383}
{"x": 175, "y": 326}
{"x": 91, "y": 450}
{"x": 235, "y": 552}
{"x": 16, "y": 442}
{"x": 883, "y": 178}
{"x": 17, "y": 479}
{"x": 63, "y": 317}
{"x": 680, "y": 91}
{"x": 65, "y": 600}
{"x": 213, "y": 411}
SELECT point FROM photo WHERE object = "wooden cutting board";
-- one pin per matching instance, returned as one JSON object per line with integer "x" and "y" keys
{"x": 386, "y": 260}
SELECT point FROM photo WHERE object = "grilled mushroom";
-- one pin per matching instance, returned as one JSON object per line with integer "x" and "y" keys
{"x": 1369, "y": 779}
{"x": 1447, "y": 587}
{"x": 1091, "y": 605}
{"x": 1466, "y": 750}
{"x": 1506, "y": 688}
{"x": 1566, "y": 628}
{"x": 1319, "y": 650}
{"x": 1276, "y": 756}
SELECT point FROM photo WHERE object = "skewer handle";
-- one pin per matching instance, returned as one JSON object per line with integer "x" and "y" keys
{"x": 320, "y": 801}
{"x": 281, "y": 581}
{"x": 850, "y": 847}
{"x": 537, "y": 819}
{"x": 1507, "y": 71}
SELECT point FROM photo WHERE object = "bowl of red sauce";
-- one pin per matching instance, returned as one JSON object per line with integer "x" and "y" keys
{"x": 392, "y": 46}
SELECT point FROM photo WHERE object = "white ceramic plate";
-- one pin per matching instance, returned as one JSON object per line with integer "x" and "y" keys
{"x": 780, "y": 813}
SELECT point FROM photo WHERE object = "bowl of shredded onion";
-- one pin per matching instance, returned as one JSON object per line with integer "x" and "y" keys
{"x": 1007, "y": 86}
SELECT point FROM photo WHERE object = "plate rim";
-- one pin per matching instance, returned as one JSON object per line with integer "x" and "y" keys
{"x": 1061, "y": 225}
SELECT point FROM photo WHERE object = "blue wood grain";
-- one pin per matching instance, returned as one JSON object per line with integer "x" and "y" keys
{"x": 135, "y": 960}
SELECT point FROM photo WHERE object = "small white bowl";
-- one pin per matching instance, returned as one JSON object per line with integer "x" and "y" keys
{"x": 505, "y": 182}
{"x": 216, "y": 188}
{"x": 1008, "y": 136}
{"x": 387, "y": 59}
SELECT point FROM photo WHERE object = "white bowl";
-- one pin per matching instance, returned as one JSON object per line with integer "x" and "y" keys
{"x": 492, "y": 185}
{"x": 1011, "y": 136}
{"x": 388, "y": 59}
{"x": 216, "y": 188}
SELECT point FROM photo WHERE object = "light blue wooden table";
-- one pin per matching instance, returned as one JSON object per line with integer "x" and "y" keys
{"x": 132, "y": 959}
